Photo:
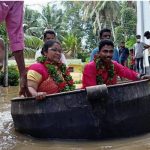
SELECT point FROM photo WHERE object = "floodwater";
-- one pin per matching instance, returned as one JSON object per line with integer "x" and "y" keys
{"x": 12, "y": 140}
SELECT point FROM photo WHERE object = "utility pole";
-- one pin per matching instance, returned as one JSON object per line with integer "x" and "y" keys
{"x": 6, "y": 67}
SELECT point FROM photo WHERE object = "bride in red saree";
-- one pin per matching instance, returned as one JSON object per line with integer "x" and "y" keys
{"x": 49, "y": 75}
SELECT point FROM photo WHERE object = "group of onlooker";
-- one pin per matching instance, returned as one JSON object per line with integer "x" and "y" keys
{"x": 121, "y": 55}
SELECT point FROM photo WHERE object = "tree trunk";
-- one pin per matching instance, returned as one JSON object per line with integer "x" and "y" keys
{"x": 113, "y": 30}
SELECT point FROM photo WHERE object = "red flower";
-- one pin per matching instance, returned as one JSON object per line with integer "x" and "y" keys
{"x": 70, "y": 82}
{"x": 46, "y": 62}
{"x": 99, "y": 71}
{"x": 62, "y": 85}
{"x": 67, "y": 73}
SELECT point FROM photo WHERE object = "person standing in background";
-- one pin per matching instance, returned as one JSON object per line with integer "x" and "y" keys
{"x": 49, "y": 35}
{"x": 123, "y": 54}
{"x": 104, "y": 34}
{"x": 12, "y": 13}
{"x": 132, "y": 59}
{"x": 147, "y": 35}
{"x": 139, "y": 47}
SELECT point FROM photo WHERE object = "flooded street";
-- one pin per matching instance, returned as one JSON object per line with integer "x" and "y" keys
{"x": 11, "y": 140}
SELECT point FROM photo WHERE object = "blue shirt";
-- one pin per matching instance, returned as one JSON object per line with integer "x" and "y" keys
{"x": 123, "y": 53}
{"x": 96, "y": 50}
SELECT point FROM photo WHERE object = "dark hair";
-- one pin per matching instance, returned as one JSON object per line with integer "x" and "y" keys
{"x": 103, "y": 30}
{"x": 131, "y": 50}
{"x": 122, "y": 42}
{"x": 138, "y": 36}
{"x": 104, "y": 42}
{"x": 48, "y": 44}
{"x": 147, "y": 33}
{"x": 49, "y": 32}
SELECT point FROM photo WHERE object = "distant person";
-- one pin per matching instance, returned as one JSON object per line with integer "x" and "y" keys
{"x": 12, "y": 13}
{"x": 147, "y": 35}
{"x": 2, "y": 48}
{"x": 49, "y": 35}
{"x": 104, "y": 34}
{"x": 103, "y": 70}
{"x": 139, "y": 47}
{"x": 123, "y": 54}
{"x": 132, "y": 59}
{"x": 49, "y": 75}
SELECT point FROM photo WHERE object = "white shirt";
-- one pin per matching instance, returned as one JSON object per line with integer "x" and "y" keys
{"x": 139, "y": 48}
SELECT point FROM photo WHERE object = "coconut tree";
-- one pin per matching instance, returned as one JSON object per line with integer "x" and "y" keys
{"x": 51, "y": 18}
{"x": 73, "y": 23}
{"x": 104, "y": 13}
{"x": 32, "y": 22}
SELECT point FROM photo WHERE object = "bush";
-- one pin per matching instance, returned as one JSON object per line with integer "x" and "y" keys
{"x": 78, "y": 82}
{"x": 83, "y": 56}
{"x": 13, "y": 76}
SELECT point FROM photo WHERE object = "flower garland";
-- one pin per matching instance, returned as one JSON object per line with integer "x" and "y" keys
{"x": 64, "y": 82}
{"x": 100, "y": 67}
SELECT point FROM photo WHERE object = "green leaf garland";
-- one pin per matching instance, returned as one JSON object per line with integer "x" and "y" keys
{"x": 100, "y": 67}
{"x": 64, "y": 81}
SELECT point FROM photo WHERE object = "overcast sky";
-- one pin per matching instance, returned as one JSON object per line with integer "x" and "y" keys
{"x": 40, "y": 2}
{"x": 36, "y": 4}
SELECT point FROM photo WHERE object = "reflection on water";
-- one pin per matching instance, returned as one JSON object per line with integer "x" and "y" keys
{"x": 11, "y": 140}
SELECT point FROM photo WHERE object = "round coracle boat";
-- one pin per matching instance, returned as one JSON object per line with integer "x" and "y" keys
{"x": 96, "y": 112}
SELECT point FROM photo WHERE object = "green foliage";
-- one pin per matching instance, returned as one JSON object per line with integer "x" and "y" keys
{"x": 71, "y": 44}
{"x": 119, "y": 32}
{"x": 130, "y": 42}
{"x": 3, "y": 32}
{"x": 128, "y": 21}
{"x": 32, "y": 44}
{"x": 127, "y": 28}
{"x": 78, "y": 82}
{"x": 13, "y": 76}
{"x": 83, "y": 56}
{"x": 52, "y": 18}
{"x": 31, "y": 22}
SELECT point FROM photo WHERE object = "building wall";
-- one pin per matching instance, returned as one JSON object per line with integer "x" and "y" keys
{"x": 143, "y": 24}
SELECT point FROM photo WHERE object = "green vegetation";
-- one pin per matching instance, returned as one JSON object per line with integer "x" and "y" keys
{"x": 13, "y": 76}
{"x": 77, "y": 24}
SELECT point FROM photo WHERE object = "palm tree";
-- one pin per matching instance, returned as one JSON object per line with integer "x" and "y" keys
{"x": 31, "y": 22}
{"x": 104, "y": 13}
{"x": 51, "y": 18}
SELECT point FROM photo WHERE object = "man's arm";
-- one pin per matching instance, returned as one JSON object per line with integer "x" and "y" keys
{"x": 23, "y": 74}
{"x": 14, "y": 26}
{"x": 145, "y": 46}
{"x": 89, "y": 76}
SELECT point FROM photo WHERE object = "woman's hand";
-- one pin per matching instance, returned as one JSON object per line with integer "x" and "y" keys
{"x": 40, "y": 95}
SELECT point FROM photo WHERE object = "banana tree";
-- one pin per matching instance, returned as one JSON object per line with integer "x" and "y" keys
{"x": 32, "y": 44}
{"x": 71, "y": 44}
